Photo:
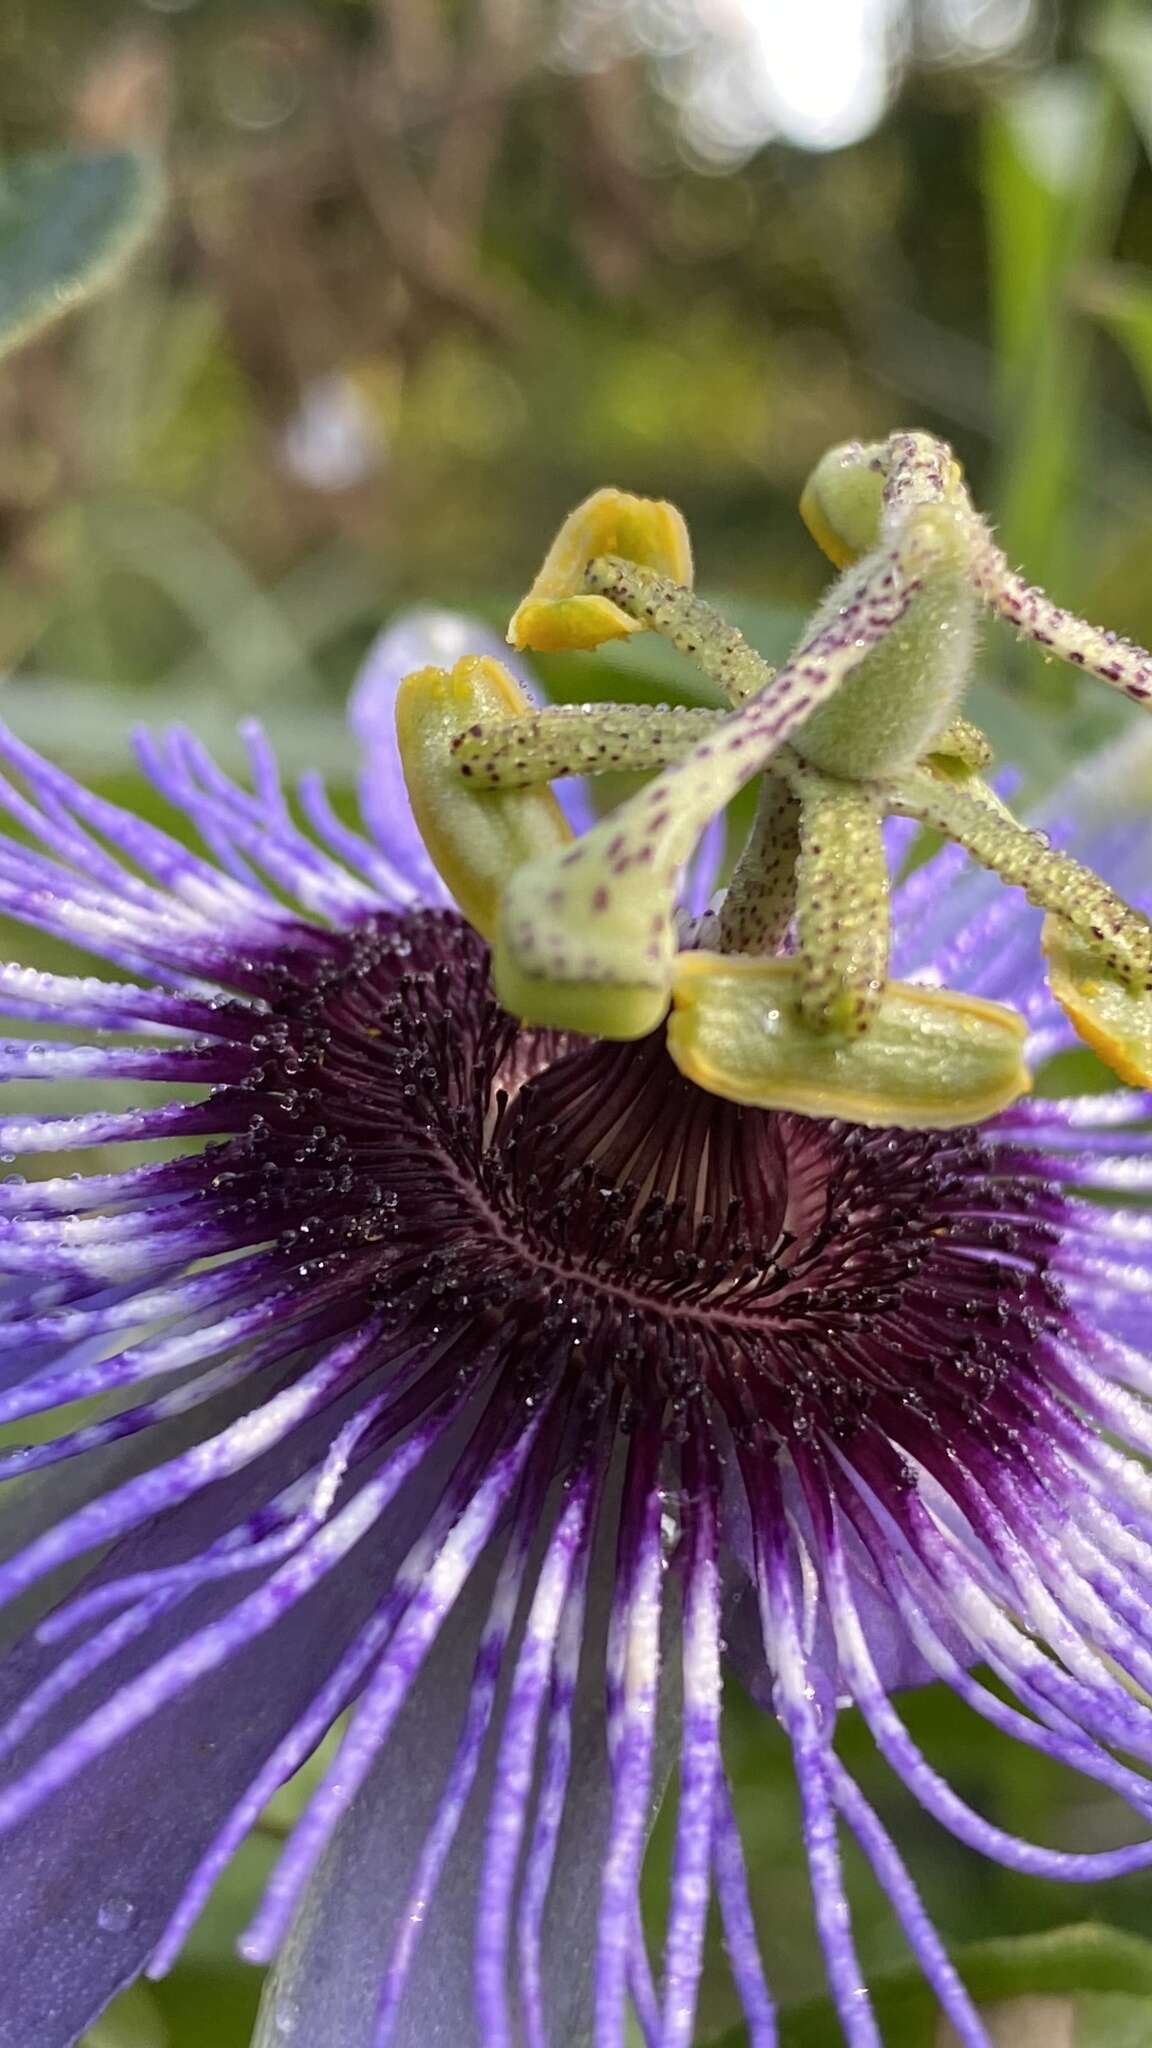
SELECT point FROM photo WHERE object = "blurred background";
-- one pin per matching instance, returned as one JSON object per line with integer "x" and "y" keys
{"x": 433, "y": 269}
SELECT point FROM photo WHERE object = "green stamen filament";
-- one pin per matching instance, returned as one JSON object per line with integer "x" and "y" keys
{"x": 579, "y": 739}
{"x": 1051, "y": 880}
{"x": 686, "y": 621}
{"x": 757, "y": 910}
{"x": 841, "y": 904}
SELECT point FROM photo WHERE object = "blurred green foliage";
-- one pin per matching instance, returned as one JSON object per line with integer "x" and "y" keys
{"x": 420, "y": 287}
{"x": 424, "y": 279}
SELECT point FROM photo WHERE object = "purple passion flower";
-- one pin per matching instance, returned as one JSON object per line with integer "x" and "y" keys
{"x": 483, "y": 1384}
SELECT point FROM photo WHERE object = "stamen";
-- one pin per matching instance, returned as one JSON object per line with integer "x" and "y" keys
{"x": 579, "y": 739}
{"x": 476, "y": 841}
{"x": 686, "y": 621}
{"x": 559, "y": 611}
{"x": 841, "y": 905}
{"x": 1052, "y": 880}
{"x": 757, "y": 910}
{"x": 931, "y": 1060}
{"x": 586, "y": 939}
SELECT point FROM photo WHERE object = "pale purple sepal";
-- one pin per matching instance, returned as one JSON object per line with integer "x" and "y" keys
{"x": 91, "y": 1880}
{"x": 326, "y": 1983}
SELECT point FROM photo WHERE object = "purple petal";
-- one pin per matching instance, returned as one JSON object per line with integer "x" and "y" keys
{"x": 922, "y": 1937}
{"x": 897, "y": 1659}
{"x": 326, "y": 1983}
{"x": 700, "y": 1761}
{"x": 702, "y": 876}
{"x": 88, "y": 1884}
{"x": 515, "y": 1764}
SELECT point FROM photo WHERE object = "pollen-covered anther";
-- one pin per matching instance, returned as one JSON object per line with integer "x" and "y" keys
{"x": 931, "y": 1059}
{"x": 475, "y": 839}
{"x": 1109, "y": 1011}
{"x": 559, "y": 612}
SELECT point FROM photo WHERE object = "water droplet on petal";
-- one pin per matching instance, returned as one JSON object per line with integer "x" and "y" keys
{"x": 115, "y": 1914}
{"x": 286, "y": 2014}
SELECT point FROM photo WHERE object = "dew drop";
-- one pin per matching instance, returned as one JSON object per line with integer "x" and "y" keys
{"x": 286, "y": 2014}
{"x": 115, "y": 1914}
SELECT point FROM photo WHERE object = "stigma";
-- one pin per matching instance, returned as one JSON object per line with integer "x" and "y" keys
{"x": 781, "y": 997}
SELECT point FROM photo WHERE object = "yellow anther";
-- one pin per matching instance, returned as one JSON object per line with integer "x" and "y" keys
{"x": 932, "y": 1059}
{"x": 1110, "y": 1014}
{"x": 558, "y": 613}
{"x": 476, "y": 838}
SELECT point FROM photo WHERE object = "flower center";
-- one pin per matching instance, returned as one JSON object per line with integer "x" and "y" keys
{"x": 582, "y": 1204}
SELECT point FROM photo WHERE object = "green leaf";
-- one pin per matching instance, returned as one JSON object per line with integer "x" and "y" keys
{"x": 131, "y": 2021}
{"x": 68, "y": 224}
{"x": 1058, "y": 153}
{"x": 1121, "y": 300}
{"x": 211, "y": 1995}
{"x": 1108, "y": 1975}
{"x": 1038, "y": 140}
{"x": 1122, "y": 41}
